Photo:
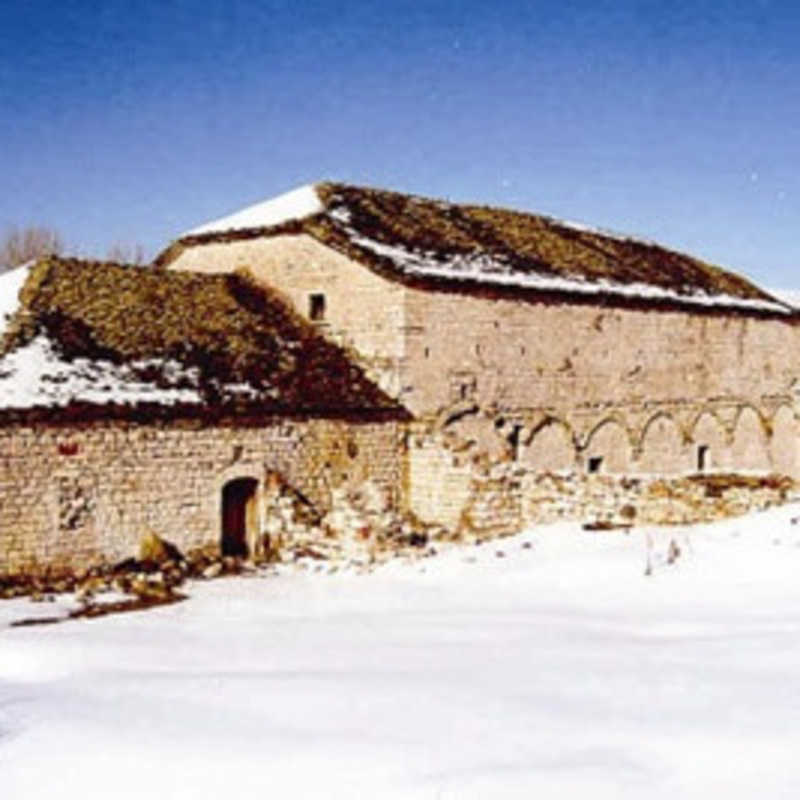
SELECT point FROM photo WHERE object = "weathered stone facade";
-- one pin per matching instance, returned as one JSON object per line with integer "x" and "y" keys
{"x": 77, "y": 495}
{"x": 624, "y": 388}
{"x": 482, "y": 375}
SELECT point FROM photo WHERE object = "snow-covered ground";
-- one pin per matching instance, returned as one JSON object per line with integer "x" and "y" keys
{"x": 555, "y": 670}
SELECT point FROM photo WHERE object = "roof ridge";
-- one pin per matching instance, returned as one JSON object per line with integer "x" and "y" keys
{"x": 406, "y": 236}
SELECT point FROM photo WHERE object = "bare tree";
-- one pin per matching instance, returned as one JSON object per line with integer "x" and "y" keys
{"x": 19, "y": 246}
{"x": 126, "y": 253}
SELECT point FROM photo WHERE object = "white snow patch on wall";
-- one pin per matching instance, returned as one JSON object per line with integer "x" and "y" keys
{"x": 34, "y": 376}
{"x": 297, "y": 204}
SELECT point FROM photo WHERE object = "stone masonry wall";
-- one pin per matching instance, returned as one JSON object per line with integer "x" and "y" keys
{"x": 447, "y": 465}
{"x": 74, "y": 496}
{"x": 442, "y": 347}
{"x": 509, "y": 500}
{"x": 561, "y": 356}
{"x": 574, "y": 386}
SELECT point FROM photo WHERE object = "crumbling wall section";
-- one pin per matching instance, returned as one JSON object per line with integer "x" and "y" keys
{"x": 509, "y": 500}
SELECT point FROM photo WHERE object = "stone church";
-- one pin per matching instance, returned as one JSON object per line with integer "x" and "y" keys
{"x": 571, "y": 348}
{"x": 336, "y": 335}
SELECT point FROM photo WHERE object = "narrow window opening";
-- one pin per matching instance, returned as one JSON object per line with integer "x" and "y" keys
{"x": 702, "y": 458}
{"x": 594, "y": 464}
{"x": 513, "y": 440}
{"x": 427, "y": 352}
{"x": 477, "y": 349}
{"x": 316, "y": 307}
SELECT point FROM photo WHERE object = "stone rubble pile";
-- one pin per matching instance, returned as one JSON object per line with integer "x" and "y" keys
{"x": 360, "y": 530}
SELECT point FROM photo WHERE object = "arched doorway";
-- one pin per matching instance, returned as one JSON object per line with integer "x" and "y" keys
{"x": 239, "y": 516}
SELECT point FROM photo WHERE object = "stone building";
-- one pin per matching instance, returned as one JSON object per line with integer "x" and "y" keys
{"x": 569, "y": 348}
{"x": 337, "y": 335}
{"x": 133, "y": 401}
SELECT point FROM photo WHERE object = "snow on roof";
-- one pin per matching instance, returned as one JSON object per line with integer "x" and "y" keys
{"x": 436, "y": 243}
{"x": 105, "y": 340}
{"x": 37, "y": 375}
{"x": 789, "y": 296}
{"x": 10, "y": 284}
{"x": 296, "y": 204}
{"x": 482, "y": 269}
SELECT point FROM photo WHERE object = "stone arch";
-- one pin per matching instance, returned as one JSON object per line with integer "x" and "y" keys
{"x": 549, "y": 447}
{"x": 608, "y": 448}
{"x": 749, "y": 451}
{"x": 783, "y": 442}
{"x": 662, "y": 448}
{"x": 480, "y": 431}
{"x": 711, "y": 452}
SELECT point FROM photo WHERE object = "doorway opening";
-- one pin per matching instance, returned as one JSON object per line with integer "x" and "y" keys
{"x": 239, "y": 516}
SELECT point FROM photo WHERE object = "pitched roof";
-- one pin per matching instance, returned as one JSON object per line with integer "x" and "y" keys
{"x": 104, "y": 340}
{"x": 438, "y": 244}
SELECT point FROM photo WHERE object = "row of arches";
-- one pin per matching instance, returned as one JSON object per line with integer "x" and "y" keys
{"x": 750, "y": 444}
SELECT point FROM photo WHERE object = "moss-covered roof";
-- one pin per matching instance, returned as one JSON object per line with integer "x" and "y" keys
{"x": 419, "y": 240}
{"x": 194, "y": 345}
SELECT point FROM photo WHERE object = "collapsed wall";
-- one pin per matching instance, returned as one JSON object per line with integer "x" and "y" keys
{"x": 510, "y": 500}
{"x": 478, "y": 471}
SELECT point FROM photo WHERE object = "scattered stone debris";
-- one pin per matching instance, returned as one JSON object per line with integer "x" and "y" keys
{"x": 361, "y": 531}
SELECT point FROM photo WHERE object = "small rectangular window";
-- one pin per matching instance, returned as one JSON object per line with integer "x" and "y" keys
{"x": 513, "y": 440}
{"x": 316, "y": 307}
{"x": 594, "y": 464}
{"x": 462, "y": 386}
{"x": 702, "y": 458}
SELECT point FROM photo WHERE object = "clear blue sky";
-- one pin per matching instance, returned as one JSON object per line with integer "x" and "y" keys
{"x": 679, "y": 121}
